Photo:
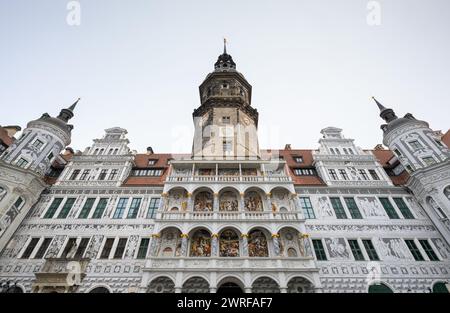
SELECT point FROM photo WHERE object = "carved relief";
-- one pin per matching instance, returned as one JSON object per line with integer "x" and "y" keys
{"x": 371, "y": 206}
{"x": 337, "y": 248}
{"x": 392, "y": 249}
{"x": 94, "y": 246}
{"x": 203, "y": 201}
{"x": 55, "y": 246}
{"x": 253, "y": 201}
{"x": 201, "y": 244}
{"x": 132, "y": 245}
{"x": 324, "y": 207}
{"x": 442, "y": 248}
{"x": 257, "y": 244}
{"x": 228, "y": 201}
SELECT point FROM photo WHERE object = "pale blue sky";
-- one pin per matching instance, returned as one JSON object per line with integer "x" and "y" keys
{"x": 138, "y": 64}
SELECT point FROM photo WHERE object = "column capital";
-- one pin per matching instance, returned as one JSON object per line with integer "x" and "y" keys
{"x": 275, "y": 235}
{"x": 244, "y": 235}
{"x": 215, "y": 235}
{"x": 183, "y": 235}
{"x": 156, "y": 235}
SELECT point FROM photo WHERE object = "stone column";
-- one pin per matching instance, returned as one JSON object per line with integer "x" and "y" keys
{"x": 216, "y": 202}
{"x": 241, "y": 202}
{"x": 268, "y": 202}
{"x": 214, "y": 245}
{"x": 276, "y": 244}
{"x": 305, "y": 244}
{"x": 165, "y": 201}
{"x": 184, "y": 244}
{"x": 190, "y": 204}
{"x": 244, "y": 245}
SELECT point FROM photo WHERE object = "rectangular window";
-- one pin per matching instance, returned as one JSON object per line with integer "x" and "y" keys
{"x": 428, "y": 250}
{"x": 18, "y": 203}
{"x": 143, "y": 248}
{"x": 74, "y": 175}
{"x": 343, "y": 174}
{"x": 374, "y": 175}
{"x": 120, "y": 207}
{"x": 338, "y": 208}
{"x": 226, "y": 119}
{"x": 370, "y": 249}
{"x": 118, "y": 254}
{"x": 152, "y": 162}
{"x": 107, "y": 248}
{"x": 227, "y": 145}
{"x": 134, "y": 208}
{"x": 397, "y": 152}
{"x": 50, "y": 156}
{"x": 70, "y": 243}
{"x": 319, "y": 250}
{"x": 298, "y": 159}
{"x": 101, "y": 205}
{"x": 333, "y": 174}
{"x": 307, "y": 208}
{"x": 415, "y": 144}
{"x": 305, "y": 171}
{"x": 353, "y": 208}
{"x": 85, "y": 174}
{"x": 43, "y": 248}
{"x": 414, "y": 250}
{"x": 102, "y": 175}
{"x": 363, "y": 174}
{"x": 403, "y": 208}
{"x": 113, "y": 174}
{"x": 66, "y": 208}
{"x": 22, "y": 163}
{"x": 429, "y": 160}
{"x": 152, "y": 207}
{"x": 38, "y": 144}
{"x": 81, "y": 248}
{"x": 53, "y": 207}
{"x": 30, "y": 248}
{"x": 87, "y": 208}
{"x": 387, "y": 205}
{"x": 356, "y": 250}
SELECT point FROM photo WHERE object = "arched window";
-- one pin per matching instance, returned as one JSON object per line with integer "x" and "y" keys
{"x": 257, "y": 244}
{"x": 337, "y": 151}
{"x": 345, "y": 151}
{"x": 228, "y": 201}
{"x": 95, "y": 151}
{"x": 201, "y": 243}
{"x": 332, "y": 151}
{"x": 440, "y": 287}
{"x": 102, "y": 151}
{"x": 253, "y": 201}
{"x": 99, "y": 290}
{"x": 116, "y": 151}
{"x": 229, "y": 243}
{"x": 161, "y": 285}
{"x": 110, "y": 151}
{"x": 350, "y": 150}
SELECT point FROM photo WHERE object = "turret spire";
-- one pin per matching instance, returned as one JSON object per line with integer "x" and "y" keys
{"x": 386, "y": 114}
{"x": 225, "y": 62}
{"x": 224, "y": 45}
{"x": 72, "y": 107}
{"x": 67, "y": 114}
{"x": 380, "y": 106}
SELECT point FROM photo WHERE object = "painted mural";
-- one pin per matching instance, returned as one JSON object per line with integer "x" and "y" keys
{"x": 229, "y": 244}
{"x": 257, "y": 244}
{"x": 201, "y": 243}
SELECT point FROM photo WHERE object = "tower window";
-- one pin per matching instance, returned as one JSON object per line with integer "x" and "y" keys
{"x": 397, "y": 152}
{"x": 338, "y": 208}
{"x": 226, "y": 119}
{"x": 227, "y": 145}
{"x": 307, "y": 207}
{"x": 85, "y": 174}
{"x": 415, "y": 144}
{"x": 387, "y": 205}
{"x": 102, "y": 175}
{"x": 22, "y": 163}
{"x": 343, "y": 174}
{"x": 113, "y": 174}
{"x": 143, "y": 248}
{"x": 345, "y": 151}
{"x": 50, "y": 156}
{"x": 38, "y": 144}
{"x": 333, "y": 174}
{"x": 429, "y": 160}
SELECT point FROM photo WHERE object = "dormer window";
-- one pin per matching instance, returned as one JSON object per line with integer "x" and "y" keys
{"x": 22, "y": 163}
{"x": 298, "y": 159}
{"x": 345, "y": 151}
{"x": 152, "y": 162}
{"x": 415, "y": 144}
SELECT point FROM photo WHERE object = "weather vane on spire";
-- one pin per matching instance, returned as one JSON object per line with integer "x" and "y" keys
{"x": 224, "y": 45}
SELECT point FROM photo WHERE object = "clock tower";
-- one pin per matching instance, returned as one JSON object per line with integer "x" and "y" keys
{"x": 225, "y": 122}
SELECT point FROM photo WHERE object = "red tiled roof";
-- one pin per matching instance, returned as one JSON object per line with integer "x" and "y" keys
{"x": 383, "y": 157}
{"x": 141, "y": 161}
{"x": 289, "y": 155}
{"x": 446, "y": 138}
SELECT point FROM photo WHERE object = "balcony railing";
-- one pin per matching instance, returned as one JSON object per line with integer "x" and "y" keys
{"x": 246, "y": 215}
{"x": 225, "y": 178}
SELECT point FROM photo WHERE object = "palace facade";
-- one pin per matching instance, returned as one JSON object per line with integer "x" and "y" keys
{"x": 228, "y": 216}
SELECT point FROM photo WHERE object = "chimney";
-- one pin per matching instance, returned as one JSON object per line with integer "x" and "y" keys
{"x": 149, "y": 150}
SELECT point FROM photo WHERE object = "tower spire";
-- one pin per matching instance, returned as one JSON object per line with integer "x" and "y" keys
{"x": 380, "y": 106}
{"x": 224, "y": 45}
{"x": 72, "y": 107}
{"x": 67, "y": 114}
{"x": 386, "y": 114}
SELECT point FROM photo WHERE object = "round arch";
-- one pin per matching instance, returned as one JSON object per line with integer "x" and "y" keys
{"x": 440, "y": 287}
{"x": 290, "y": 243}
{"x": 258, "y": 242}
{"x": 203, "y": 199}
{"x": 229, "y": 242}
{"x": 200, "y": 242}
{"x": 161, "y": 284}
{"x": 229, "y": 199}
{"x": 299, "y": 284}
{"x": 254, "y": 198}
{"x": 100, "y": 289}
{"x": 380, "y": 288}
{"x": 170, "y": 242}
{"x": 265, "y": 284}
{"x": 195, "y": 284}
{"x": 230, "y": 284}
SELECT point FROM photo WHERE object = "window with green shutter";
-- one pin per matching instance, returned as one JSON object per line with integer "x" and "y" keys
{"x": 143, "y": 248}
{"x": 66, "y": 208}
{"x": 390, "y": 211}
{"x": 338, "y": 208}
{"x": 414, "y": 250}
{"x": 134, "y": 208}
{"x": 121, "y": 205}
{"x": 87, "y": 208}
{"x": 101, "y": 205}
{"x": 428, "y": 250}
{"x": 403, "y": 208}
{"x": 307, "y": 208}
{"x": 370, "y": 249}
{"x": 53, "y": 207}
{"x": 319, "y": 250}
{"x": 356, "y": 250}
{"x": 353, "y": 208}
{"x": 153, "y": 207}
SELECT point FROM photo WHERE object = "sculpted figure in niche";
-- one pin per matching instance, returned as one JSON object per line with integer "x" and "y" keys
{"x": 201, "y": 244}
{"x": 203, "y": 201}
{"x": 257, "y": 244}
{"x": 228, "y": 202}
{"x": 229, "y": 244}
{"x": 253, "y": 201}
